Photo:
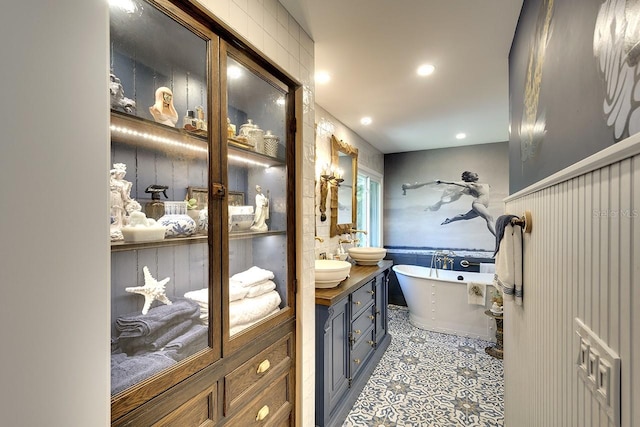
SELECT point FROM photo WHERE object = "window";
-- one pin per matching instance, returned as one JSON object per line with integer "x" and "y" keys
{"x": 369, "y": 207}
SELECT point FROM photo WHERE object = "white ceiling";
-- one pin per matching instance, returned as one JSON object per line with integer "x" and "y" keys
{"x": 372, "y": 49}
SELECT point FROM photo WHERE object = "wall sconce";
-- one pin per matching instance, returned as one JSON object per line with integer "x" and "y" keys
{"x": 329, "y": 175}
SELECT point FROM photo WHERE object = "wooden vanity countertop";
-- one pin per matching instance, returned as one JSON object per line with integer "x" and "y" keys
{"x": 358, "y": 276}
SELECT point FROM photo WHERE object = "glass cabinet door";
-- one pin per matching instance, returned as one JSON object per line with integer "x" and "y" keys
{"x": 160, "y": 148}
{"x": 260, "y": 197}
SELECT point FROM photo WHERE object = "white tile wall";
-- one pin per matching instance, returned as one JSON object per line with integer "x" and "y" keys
{"x": 267, "y": 26}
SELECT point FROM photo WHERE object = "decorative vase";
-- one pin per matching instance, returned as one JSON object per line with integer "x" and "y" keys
{"x": 176, "y": 220}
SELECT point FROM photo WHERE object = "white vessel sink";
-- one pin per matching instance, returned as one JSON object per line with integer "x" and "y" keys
{"x": 367, "y": 256}
{"x": 330, "y": 272}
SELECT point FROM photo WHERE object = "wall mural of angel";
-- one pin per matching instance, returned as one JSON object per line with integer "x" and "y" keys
{"x": 616, "y": 46}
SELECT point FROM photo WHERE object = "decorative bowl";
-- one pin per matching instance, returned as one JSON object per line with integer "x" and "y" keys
{"x": 330, "y": 272}
{"x": 368, "y": 255}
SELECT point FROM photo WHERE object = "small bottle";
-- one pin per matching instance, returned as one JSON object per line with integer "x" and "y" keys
{"x": 201, "y": 123}
{"x": 190, "y": 122}
{"x": 155, "y": 208}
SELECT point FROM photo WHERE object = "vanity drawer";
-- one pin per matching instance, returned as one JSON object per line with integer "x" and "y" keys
{"x": 364, "y": 322}
{"x": 256, "y": 373}
{"x": 361, "y": 352}
{"x": 271, "y": 407}
{"x": 361, "y": 298}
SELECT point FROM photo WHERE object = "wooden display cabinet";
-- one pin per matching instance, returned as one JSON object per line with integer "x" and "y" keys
{"x": 223, "y": 351}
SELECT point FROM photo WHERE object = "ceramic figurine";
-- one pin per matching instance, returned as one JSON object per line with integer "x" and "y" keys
{"x": 152, "y": 290}
{"x": 121, "y": 202}
{"x": 261, "y": 214}
{"x": 163, "y": 110}
{"x": 118, "y": 100}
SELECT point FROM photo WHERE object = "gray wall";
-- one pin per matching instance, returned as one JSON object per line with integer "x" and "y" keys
{"x": 567, "y": 93}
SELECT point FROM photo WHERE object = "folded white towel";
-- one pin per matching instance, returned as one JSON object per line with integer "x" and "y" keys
{"x": 235, "y": 329}
{"x": 508, "y": 277}
{"x": 200, "y": 296}
{"x": 476, "y": 293}
{"x": 487, "y": 267}
{"x": 252, "y": 276}
{"x": 250, "y": 309}
{"x": 260, "y": 289}
{"x": 236, "y": 291}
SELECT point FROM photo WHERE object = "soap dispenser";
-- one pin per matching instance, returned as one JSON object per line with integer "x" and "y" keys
{"x": 155, "y": 208}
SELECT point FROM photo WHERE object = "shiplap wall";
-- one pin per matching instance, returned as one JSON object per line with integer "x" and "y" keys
{"x": 580, "y": 260}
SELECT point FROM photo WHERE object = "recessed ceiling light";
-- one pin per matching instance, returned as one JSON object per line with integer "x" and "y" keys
{"x": 366, "y": 121}
{"x": 461, "y": 135}
{"x": 322, "y": 77}
{"x": 426, "y": 69}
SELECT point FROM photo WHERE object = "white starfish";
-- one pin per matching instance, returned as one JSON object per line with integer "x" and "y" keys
{"x": 152, "y": 290}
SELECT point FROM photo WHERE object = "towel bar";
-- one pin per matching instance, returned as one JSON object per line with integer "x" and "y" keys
{"x": 524, "y": 221}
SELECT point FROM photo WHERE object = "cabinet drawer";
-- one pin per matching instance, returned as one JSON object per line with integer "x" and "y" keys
{"x": 268, "y": 407}
{"x": 361, "y": 298}
{"x": 361, "y": 352}
{"x": 362, "y": 324}
{"x": 197, "y": 411}
{"x": 256, "y": 373}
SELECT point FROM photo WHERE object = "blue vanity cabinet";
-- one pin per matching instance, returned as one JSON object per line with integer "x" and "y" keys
{"x": 351, "y": 336}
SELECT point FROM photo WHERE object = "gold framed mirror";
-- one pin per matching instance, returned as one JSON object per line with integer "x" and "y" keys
{"x": 343, "y": 195}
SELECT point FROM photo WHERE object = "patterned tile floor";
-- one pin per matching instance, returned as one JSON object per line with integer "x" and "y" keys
{"x": 429, "y": 379}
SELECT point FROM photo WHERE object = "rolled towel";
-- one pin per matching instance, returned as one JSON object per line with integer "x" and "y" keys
{"x": 159, "y": 317}
{"x": 252, "y": 276}
{"x": 476, "y": 293}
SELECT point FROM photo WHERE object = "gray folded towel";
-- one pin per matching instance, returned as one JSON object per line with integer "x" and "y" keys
{"x": 194, "y": 340}
{"x": 129, "y": 370}
{"x": 157, "y": 318}
{"x": 158, "y": 340}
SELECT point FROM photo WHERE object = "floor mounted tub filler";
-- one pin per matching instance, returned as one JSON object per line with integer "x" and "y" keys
{"x": 438, "y": 301}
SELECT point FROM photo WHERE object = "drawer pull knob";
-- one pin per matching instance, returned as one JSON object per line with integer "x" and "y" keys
{"x": 371, "y": 343}
{"x": 357, "y": 331}
{"x": 357, "y": 302}
{"x": 371, "y": 292}
{"x": 356, "y": 361}
{"x": 372, "y": 317}
{"x": 263, "y": 366}
{"x": 262, "y": 413}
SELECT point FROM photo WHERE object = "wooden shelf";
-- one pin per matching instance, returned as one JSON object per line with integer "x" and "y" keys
{"x": 139, "y": 132}
{"x": 121, "y": 246}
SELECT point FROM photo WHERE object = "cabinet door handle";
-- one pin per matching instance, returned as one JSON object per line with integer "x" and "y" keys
{"x": 371, "y": 292}
{"x": 218, "y": 190}
{"x": 371, "y": 343}
{"x": 357, "y": 331}
{"x": 356, "y": 361}
{"x": 263, "y": 366}
{"x": 262, "y": 413}
{"x": 357, "y": 302}
{"x": 372, "y": 317}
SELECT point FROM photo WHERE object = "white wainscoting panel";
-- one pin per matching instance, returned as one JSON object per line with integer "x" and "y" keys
{"x": 581, "y": 260}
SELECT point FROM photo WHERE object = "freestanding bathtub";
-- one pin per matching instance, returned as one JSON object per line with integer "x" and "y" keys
{"x": 440, "y": 303}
